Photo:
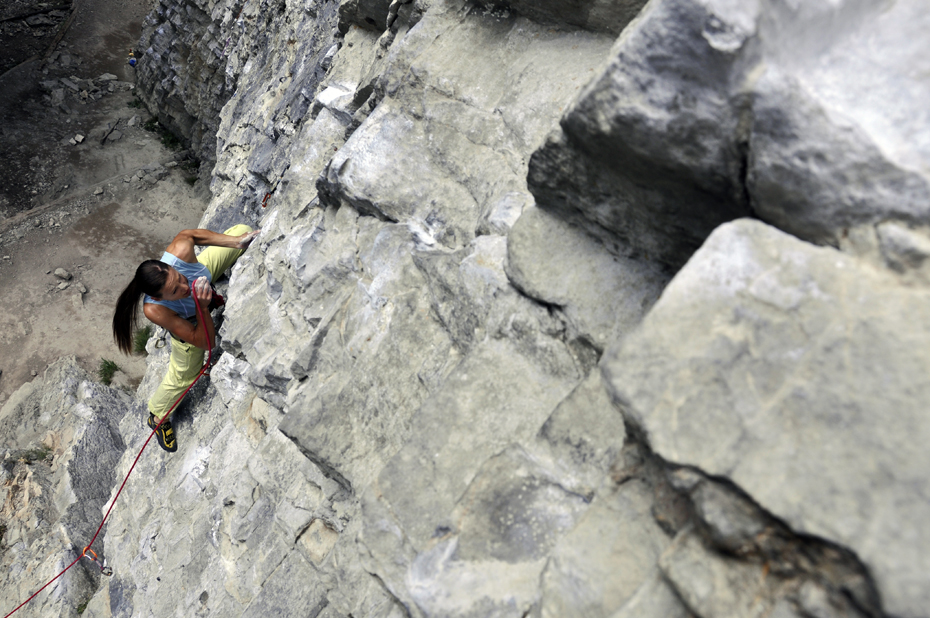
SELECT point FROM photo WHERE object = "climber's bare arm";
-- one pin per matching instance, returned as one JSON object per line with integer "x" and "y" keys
{"x": 183, "y": 244}
{"x": 181, "y": 328}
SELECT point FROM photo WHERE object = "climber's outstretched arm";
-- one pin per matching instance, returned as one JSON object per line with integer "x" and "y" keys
{"x": 183, "y": 244}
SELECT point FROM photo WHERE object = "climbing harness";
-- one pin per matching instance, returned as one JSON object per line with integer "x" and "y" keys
{"x": 93, "y": 556}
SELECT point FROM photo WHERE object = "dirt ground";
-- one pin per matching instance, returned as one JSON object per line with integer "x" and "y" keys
{"x": 93, "y": 208}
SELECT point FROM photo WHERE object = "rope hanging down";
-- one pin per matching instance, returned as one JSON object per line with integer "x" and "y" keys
{"x": 93, "y": 556}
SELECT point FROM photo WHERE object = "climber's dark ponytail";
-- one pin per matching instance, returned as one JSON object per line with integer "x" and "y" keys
{"x": 150, "y": 279}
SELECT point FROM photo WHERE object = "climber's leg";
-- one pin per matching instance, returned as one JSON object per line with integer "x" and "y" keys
{"x": 219, "y": 259}
{"x": 186, "y": 362}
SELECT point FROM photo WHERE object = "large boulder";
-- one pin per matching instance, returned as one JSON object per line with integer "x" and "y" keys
{"x": 824, "y": 156}
{"x": 712, "y": 110}
{"x": 799, "y": 373}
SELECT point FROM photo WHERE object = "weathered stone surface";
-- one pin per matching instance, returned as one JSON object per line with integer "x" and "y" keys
{"x": 408, "y": 416}
{"x": 599, "y": 15}
{"x": 603, "y": 296}
{"x": 384, "y": 316}
{"x": 822, "y": 158}
{"x": 712, "y": 585}
{"x": 905, "y": 250}
{"x": 711, "y": 110}
{"x": 597, "y": 568}
{"x": 490, "y": 562}
{"x": 197, "y": 50}
{"x": 461, "y": 426}
{"x": 241, "y": 498}
{"x": 61, "y": 447}
{"x": 583, "y": 436}
{"x": 649, "y": 169}
{"x": 467, "y": 130}
{"x": 732, "y": 525}
{"x": 779, "y": 365}
{"x": 654, "y": 599}
{"x": 368, "y": 14}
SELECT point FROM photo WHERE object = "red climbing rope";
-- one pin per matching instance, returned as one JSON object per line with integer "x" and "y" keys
{"x": 131, "y": 468}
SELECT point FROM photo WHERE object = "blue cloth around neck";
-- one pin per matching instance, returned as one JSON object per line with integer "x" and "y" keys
{"x": 184, "y": 307}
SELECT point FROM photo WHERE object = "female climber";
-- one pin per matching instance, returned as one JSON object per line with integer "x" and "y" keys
{"x": 168, "y": 286}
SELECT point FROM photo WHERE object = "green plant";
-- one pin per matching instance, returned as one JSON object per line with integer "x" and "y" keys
{"x": 33, "y": 455}
{"x": 191, "y": 180}
{"x": 169, "y": 140}
{"x": 82, "y": 607}
{"x": 140, "y": 338}
{"x": 135, "y": 103}
{"x": 106, "y": 370}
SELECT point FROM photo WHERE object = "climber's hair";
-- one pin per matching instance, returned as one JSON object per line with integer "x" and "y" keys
{"x": 150, "y": 279}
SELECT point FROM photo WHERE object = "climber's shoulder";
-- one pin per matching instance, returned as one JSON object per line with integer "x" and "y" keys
{"x": 182, "y": 246}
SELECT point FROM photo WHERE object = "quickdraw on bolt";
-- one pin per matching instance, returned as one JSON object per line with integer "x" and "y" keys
{"x": 274, "y": 185}
{"x": 93, "y": 556}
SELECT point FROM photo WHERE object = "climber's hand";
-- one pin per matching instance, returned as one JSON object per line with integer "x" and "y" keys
{"x": 203, "y": 291}
{"x": 246, "y": 239}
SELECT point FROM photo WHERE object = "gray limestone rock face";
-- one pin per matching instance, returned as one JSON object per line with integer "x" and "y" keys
{"x": 496, "y": 396}
{"x": 708, "y": 111}
{"x": 654, "y": 599}
{"x": 467, "y": 130}
{"x": 462, "y": 206}
{"x": 245, "y": 526}
{"x": 904, "y": 249}
{"x": 712, "y": 585}
{"x": 514, "y": 512}
{"x": 603, "y": 296}
{"x": 379, "y": 329}
{"x": 597, "y": 15}
{"x": 583, "y": 436}
{"x": 489, "y": 561}
{"x": 368, "y": 14}
{"x": 61, "y": 447}
{"x": 822, "y": 156}
{"x": 383, "y": 315}
{"x": 196, "y": 52}
{"x": 648, "y": 156}
{"x": 597, "y": 569}
{"x": 779, "y": 365}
